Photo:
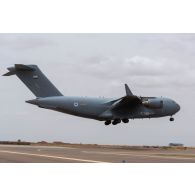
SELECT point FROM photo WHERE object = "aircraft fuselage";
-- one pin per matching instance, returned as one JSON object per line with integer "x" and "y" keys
{"x": 101, "y": 108}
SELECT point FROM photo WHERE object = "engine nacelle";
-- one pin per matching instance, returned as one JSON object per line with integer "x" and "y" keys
{"x": 153, "y": 103}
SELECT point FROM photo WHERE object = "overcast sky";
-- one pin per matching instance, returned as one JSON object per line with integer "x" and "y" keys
{"x": 99, "y": 65}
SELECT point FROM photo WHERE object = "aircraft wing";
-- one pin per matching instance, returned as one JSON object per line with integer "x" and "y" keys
{"x": 126, "y": 102}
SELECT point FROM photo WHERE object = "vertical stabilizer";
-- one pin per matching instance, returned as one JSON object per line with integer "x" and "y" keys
{"x": 34, "y": 79}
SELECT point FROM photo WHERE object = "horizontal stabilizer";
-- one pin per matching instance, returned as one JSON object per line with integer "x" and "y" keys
{"x": 12, "y": 70}
{"x": 23, "y": 67}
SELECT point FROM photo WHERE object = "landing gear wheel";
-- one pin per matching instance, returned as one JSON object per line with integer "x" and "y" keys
{"x": 125, "y": 120}
{"x": 116, "y": 121}
{"x": 171, "y": 119}
{"x": 107, "y": 123}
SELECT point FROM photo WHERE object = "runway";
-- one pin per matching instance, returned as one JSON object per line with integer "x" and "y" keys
{"x": 50, "y": 154}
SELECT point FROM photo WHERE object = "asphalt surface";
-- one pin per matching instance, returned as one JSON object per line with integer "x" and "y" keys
{"x": 49, "y": 154}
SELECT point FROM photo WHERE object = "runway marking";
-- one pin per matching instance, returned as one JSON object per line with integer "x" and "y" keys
{"x": 142, "y": 155}
{"x": 49, "y": 156}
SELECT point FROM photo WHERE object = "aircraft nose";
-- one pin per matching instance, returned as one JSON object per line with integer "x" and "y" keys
{"x": 178, "y": 107}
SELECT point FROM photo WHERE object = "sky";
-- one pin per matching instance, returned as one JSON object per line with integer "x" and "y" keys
{"x": 98, "y": 65}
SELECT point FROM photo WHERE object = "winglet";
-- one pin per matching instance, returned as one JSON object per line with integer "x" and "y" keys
{"x": 128, "y": 91}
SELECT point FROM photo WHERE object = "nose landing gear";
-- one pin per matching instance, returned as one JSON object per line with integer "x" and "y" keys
{"x": 171, "y": 119}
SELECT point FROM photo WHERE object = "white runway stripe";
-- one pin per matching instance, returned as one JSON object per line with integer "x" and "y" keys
{"x": 143, "y": 155}
{"x": 53, "y": 157}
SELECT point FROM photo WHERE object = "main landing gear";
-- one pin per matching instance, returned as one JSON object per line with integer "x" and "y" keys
{"x": 171, "y": 119}
{"x": 107, "y": 123}
{"x": 116, "y": 121}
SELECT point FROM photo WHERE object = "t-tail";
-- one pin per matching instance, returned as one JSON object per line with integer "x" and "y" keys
{"x": 34, "y": 79}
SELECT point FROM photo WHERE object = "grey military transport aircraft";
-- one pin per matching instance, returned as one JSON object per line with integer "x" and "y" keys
{"x": 109, "y": 110}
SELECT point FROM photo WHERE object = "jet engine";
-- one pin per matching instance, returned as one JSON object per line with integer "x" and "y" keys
{"x": 153, "y": 103}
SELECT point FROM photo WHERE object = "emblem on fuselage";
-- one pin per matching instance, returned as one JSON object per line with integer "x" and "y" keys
{"x": 76, "y": 104}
